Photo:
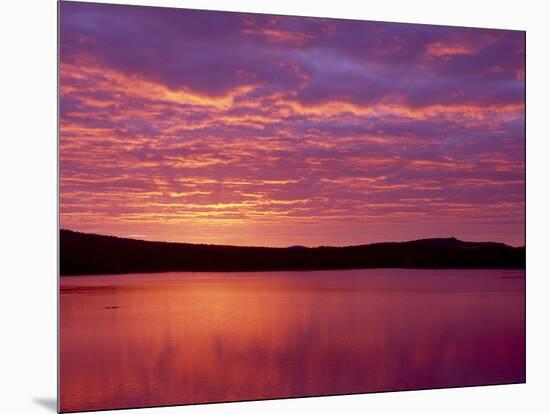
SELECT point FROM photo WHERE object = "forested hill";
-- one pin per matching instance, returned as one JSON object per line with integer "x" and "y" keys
{"x": 85, "y": 254}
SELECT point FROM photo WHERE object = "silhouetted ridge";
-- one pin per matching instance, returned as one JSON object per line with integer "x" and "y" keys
{"x": 444, "y": 242}
{"x": 82, "y": 254}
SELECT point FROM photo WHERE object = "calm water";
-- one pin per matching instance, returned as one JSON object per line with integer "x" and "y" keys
{"x": 181, "y": 338}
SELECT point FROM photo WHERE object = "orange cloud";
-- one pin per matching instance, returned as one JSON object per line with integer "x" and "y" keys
{"x": 441, "y": 49}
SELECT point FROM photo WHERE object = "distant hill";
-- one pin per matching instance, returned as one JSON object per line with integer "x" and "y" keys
{"x": 84, "y": 254}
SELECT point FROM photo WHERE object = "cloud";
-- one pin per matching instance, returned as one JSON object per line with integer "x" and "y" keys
{"x": 246, "y": 129}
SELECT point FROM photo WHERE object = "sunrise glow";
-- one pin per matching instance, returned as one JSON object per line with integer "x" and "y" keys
{"x": 242, "y": 129}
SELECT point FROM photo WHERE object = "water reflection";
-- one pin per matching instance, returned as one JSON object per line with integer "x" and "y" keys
{"x": 180, "y": 338}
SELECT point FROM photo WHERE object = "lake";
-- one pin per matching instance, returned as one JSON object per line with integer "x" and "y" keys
{"x": 183, "y": 338}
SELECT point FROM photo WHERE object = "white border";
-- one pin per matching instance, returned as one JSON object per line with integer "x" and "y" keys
{"x": 28, "y": 204}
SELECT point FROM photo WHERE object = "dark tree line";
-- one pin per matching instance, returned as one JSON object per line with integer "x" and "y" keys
{"x": 82, "y": 254}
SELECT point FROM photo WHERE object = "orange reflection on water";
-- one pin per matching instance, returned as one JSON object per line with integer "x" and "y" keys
{"x": 181, "y": 338}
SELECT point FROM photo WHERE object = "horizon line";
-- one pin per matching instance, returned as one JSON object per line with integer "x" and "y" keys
{"x": 129, "y": 237}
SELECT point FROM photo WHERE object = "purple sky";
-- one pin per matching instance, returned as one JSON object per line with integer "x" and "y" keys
{"x": 247, "y": 129}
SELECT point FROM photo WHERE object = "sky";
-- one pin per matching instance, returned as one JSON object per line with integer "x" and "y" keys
{"x": 246, "y": 129}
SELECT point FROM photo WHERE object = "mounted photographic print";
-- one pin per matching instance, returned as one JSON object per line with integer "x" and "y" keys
{"x": 257, "y": 207}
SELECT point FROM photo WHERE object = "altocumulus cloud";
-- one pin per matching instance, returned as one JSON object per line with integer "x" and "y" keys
{"x": 267, "y": 130}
